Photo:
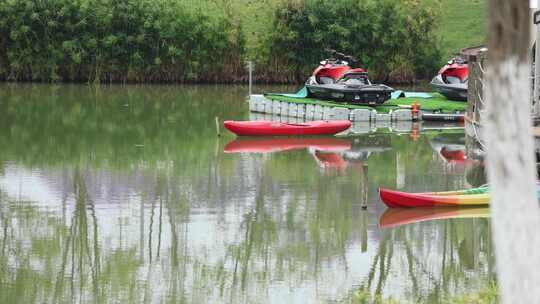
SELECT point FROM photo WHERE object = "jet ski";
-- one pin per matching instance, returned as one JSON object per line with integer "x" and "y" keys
{"x": 334, "y": 79}
{"x": 452, "y": 79}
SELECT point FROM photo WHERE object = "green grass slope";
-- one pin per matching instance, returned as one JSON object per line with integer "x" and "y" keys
{"x": 462, "y": 24}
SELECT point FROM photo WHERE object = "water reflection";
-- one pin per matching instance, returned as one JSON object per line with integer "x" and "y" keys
{"x": 124, "y": 194}
{"x": 281, "y": 144}
{"x": 428, "y": 264}
{"x": 394, "y": 217}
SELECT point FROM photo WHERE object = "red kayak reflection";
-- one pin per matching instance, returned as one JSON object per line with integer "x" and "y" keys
{"x": 330, "y": 160}
{"x": 278, "y": 144}
{"x": 454, "y": 156}
{"x": 402, "y": 216}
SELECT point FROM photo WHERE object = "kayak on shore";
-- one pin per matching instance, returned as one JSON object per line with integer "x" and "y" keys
{"x": 271, "y": 128}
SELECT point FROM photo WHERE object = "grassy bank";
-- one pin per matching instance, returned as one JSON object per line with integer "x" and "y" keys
{"x": 461, "y": 24}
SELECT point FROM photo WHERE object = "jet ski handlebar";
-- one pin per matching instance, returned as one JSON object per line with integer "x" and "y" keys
{"x": 338, "y": 55}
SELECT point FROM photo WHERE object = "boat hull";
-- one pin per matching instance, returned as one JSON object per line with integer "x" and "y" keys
{"x": 398, "y": 199}
{"x": 270, "y": 128}
{"x": 470, "y": 197}
{"x": 443, "y": 117}
{"x": 366, "y": 95}
{"x": 456, "y": 91}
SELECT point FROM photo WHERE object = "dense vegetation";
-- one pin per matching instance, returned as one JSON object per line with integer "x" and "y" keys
{"x": 102, "y": 40}
{"x": 390, "y": 38}
{"x": 208, "y": 41}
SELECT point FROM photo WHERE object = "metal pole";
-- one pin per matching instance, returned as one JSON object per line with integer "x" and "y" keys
{"x": 250, "y": 68}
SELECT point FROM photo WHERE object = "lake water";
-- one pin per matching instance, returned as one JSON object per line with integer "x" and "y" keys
{"x": 124, "y": 194}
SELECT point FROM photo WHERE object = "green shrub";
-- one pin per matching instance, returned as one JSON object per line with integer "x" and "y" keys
{"x": 186, "y": 41}
{"x": 116, "y": 40}
{"x": 390, "y": 38}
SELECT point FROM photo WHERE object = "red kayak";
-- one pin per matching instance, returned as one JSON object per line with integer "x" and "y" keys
{"x": 460, "y": 198}
{"x": 271, "y": 128}
{"x": 471, "y": 197}
{"x": 273, "y": 144}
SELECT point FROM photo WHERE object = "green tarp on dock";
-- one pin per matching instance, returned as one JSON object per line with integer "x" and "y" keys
{"x": 427, "y": 101}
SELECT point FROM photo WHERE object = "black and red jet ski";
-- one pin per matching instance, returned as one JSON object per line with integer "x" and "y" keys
{"x": 452, "y": 80}
{"x": 334, "y": 79}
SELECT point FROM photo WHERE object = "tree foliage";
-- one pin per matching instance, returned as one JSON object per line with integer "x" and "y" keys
{"x": 106, "y": 40}
{"x": 392, "y": 39}
{"x": 178, "y": 41}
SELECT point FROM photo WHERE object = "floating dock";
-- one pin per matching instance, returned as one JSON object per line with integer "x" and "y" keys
{"x": 369, "y": 127}
{"x": 313, "y": 109}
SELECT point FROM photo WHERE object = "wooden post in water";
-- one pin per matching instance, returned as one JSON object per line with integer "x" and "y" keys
{"x": 510, "y": 159}
{"x": 364, "y": 221}
{"x": 217, "y": 127}
{"x": 364, "y": 190}
{"x": 477, "y": 65}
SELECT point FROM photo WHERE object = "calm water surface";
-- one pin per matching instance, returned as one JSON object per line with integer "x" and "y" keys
{"x": 125, "y": 194}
